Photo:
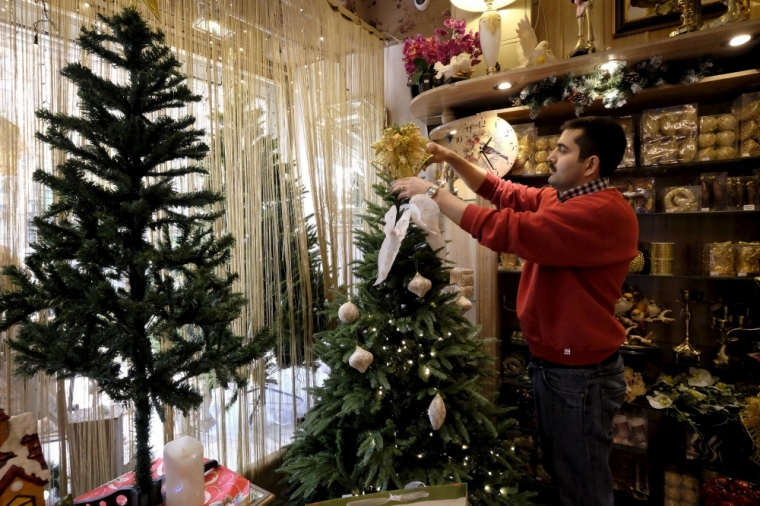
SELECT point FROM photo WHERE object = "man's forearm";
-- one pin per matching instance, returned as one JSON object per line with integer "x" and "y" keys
{"x": 472, "y": 175}
{"x": 451, "y": 206}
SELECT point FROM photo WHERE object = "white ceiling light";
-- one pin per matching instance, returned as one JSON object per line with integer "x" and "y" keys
{"x": 480, "y": 5}
{"x": 739, "y": 40}
{"x": 503, "y": 86}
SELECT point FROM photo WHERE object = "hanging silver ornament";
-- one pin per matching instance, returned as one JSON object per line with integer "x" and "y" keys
{"x": 464, "y": 303}
{"x": 348, "y": 312}
{"x": 360, "y": 359}
{"x": 437, "y": 412}
{"x": 419, "y": 285}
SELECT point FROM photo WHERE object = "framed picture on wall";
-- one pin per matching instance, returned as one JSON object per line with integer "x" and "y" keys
{"x": 634, "y": 16}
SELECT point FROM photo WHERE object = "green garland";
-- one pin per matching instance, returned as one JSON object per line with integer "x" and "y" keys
{"x": 613, "y": 87}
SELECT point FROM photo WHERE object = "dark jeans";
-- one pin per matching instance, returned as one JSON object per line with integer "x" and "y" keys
{"x": 575, "y": 407}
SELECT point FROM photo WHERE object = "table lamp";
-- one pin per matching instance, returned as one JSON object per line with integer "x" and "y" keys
{"x": 490, "y": 27}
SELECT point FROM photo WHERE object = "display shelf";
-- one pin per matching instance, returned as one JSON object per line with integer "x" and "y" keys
{"x": 674, "y": 169}
{"x": 693, "y": 278}
{"x": 464, "y": 98}
{"x": 629, "y": 449}
{"x": 669, "y": 276}
{"x": 736, "y": 165}
{"x": 705, "y": 213}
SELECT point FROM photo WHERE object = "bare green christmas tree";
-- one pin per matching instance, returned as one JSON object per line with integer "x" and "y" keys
{"x": 109, "y": 293}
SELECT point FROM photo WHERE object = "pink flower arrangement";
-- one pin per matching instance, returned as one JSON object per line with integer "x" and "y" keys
{"x": 421, "y": 53}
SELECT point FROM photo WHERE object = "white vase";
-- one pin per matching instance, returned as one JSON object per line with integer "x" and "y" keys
{"x": 490, "y": 39}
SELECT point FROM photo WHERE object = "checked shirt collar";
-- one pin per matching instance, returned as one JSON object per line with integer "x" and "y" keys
{"x": 585, "y": 189}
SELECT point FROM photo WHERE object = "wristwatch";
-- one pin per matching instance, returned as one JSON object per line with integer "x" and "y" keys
{"x": 432, "y": 191}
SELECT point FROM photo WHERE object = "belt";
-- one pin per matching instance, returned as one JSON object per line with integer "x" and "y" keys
{"x": 545, "y": 363}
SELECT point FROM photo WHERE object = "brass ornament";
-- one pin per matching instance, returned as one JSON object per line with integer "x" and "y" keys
{"x": 637, "y": 264}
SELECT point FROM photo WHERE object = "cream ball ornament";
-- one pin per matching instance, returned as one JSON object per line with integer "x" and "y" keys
{"x": 348, "y": 312}
{"x": 437, "y": 412}
{"x": 419, "y": 285}
{"x": 361, "y": 359}
{"x": 464, "y": 303}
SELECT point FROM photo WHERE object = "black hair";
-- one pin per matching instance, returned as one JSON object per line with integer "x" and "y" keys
{"x": 601, "y": 137}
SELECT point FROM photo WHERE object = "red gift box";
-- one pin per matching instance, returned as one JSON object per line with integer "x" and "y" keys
{"x": 223, "y": 486}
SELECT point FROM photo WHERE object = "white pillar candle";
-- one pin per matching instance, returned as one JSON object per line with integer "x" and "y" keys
{"x": 183, "y": 472}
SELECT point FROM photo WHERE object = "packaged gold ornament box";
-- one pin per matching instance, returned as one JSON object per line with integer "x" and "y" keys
{"x": 669, "y": 135}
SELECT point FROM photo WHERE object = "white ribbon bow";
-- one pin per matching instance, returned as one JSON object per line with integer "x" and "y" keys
{"x": 425, "y": 213}
{"x": 382, "y": 500}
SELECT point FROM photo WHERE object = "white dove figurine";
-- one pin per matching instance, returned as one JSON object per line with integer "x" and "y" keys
{"x": 529, "y": 52}
{"x": 458, "y": 64}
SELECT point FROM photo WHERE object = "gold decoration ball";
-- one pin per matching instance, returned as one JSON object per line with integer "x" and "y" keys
{"x": 689, "y": 116}
{"x": 749, "y": 129}
{"x": 542, "y": 144}
{"x": 726, "y": 122}
{"x": 725, "y": 138}
{"x": 541, "y": 156}
{"x": 725, "y": 153}
{"x": 749, "y": 110}
{"x": 542, "y": 168}
{"x": 651, "y": 125}
{"x": 707, "y": 124}
{"x": 668, "y": 127}
{"x": 553, "y": 140}
{"x": 750, "y": 148}
{"x": 687, "y": 151}
{"x": 706, "y": 140}
{"x": 706, "y": 154}
{"x": 348, "y": 312}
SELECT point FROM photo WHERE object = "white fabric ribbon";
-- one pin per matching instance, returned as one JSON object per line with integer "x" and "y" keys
{"x": 383, "y": 500}
{"x": 425, "y": 214}
{"x": 394, "y": 234}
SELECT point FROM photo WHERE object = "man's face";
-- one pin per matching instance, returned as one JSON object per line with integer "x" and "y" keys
{"x": 566, "y": 171}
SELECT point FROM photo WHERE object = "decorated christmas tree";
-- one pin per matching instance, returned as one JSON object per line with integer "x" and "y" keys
{"x": 128, "y": 282}
{"x": 404, "y": 400}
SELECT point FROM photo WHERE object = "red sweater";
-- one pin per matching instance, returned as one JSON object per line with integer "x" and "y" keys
{"x": 576, "y": 256}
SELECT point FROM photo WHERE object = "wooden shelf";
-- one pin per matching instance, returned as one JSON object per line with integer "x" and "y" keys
{"x": 465, "y": 98}
{"x": 669, "y": 276}
{"x": 699, "y": 213}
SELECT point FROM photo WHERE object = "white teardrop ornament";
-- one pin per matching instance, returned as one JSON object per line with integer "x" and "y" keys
{"x": 419, "y": 285}
{"x": 437, "y": 412}
{"x": 360, "y": 359}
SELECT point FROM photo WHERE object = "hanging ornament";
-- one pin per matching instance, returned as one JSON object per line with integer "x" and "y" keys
{"x": 360, "y": 359}
{"x": 464, "y": 303}
{"x": 437, "y": 412}
{"x": 348, "y": 312}
{"x": 419, "y": 285}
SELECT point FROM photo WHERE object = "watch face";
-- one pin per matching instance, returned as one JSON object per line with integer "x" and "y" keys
{"x": 487, "y": 141}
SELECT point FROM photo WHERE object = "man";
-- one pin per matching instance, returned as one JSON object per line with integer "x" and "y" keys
{"x": 577, "y": 238}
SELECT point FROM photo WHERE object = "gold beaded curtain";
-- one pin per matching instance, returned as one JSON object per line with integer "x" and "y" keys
{"x": 295, "y": 76}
